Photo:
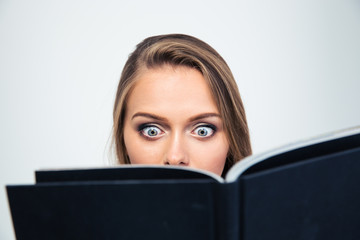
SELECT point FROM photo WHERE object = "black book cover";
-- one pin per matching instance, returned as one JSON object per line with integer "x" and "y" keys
{"x": 308, "y": 190}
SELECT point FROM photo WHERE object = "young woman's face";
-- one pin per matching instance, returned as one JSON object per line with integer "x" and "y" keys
{"x": 172, "y": 119}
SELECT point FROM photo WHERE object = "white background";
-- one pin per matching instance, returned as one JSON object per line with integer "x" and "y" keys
{"x": 297, "y": 64}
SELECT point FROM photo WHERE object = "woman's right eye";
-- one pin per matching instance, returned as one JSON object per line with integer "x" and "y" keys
{"x": 151, "y": 132}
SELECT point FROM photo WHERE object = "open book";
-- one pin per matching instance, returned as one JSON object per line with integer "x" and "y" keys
{"x": 307, "y": 190}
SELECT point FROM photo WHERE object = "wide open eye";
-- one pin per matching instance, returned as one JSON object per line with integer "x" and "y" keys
{"x": 204, "y": 131}
{"x": 151, "y": 132}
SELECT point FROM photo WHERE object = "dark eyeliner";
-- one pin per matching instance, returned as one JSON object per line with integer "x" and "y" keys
{"x": 144, "y": 125}
{"x": 213, "y": 127}
{"x": 141, "y": 127}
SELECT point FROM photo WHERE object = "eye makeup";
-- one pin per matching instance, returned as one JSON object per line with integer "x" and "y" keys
{"x": 204, "y": 130}
{"x": 150, "y": 131}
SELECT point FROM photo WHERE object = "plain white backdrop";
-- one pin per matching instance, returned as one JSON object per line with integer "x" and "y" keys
{"x": 297, "y": 65}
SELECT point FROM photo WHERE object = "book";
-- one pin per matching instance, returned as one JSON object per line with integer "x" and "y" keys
{"x": 306, "y": 190}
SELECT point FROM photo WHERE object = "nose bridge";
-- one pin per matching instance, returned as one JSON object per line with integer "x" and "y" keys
{"x": 176, "y": 151}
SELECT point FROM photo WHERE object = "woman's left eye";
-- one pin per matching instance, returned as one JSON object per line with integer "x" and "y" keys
{"x": 204, "y": 131}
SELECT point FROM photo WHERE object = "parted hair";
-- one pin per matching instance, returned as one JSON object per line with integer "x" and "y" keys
{"x": 185, "y": 50}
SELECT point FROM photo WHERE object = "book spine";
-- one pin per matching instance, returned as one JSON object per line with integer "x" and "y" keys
{"x": 227, "y": 211}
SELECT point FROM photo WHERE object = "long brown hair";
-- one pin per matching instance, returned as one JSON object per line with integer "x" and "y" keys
{"x": 184, "y": 50}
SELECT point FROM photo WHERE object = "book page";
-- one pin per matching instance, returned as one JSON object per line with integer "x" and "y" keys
{"x": 250, "y": 161}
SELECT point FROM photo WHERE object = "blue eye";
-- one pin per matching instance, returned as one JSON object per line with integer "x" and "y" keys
{"x": 150, "y": 131}
{"x": 204, "y": 131}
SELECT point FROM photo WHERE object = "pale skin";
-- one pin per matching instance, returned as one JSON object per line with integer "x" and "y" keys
{"x": 172, "y": 119}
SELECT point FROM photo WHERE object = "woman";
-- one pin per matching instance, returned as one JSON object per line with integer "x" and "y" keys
{"x": 177, "y": 103}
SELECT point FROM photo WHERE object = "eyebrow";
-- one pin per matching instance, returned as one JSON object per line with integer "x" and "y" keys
{"x": 149, "y": 115}
{"x": 204, "y": 115}
{"x": 156, "y": 117}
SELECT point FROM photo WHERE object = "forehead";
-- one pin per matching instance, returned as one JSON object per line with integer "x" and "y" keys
{"x": 168, "y": 89}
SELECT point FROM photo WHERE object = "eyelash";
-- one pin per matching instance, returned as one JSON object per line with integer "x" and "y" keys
{"x": 142, "y": 127}
{"x": 212, "y": 127}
